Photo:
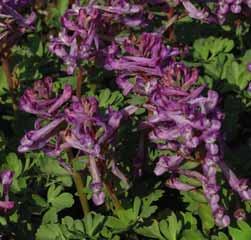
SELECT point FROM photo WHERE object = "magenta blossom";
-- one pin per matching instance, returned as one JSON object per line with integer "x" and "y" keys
{"x": 6, "y": 178}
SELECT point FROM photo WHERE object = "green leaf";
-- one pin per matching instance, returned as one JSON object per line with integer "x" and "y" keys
{"x": 3, "y": 221}
{"x": 206, "y": 216}
{"x": 147, "y": 208}
{"x": 108, "y": 98}
{"x": 49, "y": 232}
{"x": 189, "y": 220}
{"x": 125, "y": 218}
{"x": 192, "y": 234}
{"x": 241, "y": 233}
{"x": 14, "y": 164}
{"x": 93, "y": 224}
{"x": 151, "y": 231}
{"x": 3, "y": 82}
{"x": 62, "y": 5}
{"x": 51, "y": 167}
{"x": 247, "y": 57}
{"x": 137, "y": 100}
{"x": 64, "y": 200}
{"x": 68, "y": 221}
{"x": 170, "y": 227}
{"x": 221, "y": 236}
{"x": 136, "y": 206}
{"x": 39, "y": 201}
{"x": 53, "y": 192}
{"x": 208, "y": 48}
{"x": 50, "y": 216}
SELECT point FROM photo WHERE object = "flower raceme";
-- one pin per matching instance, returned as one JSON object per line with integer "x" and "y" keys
{"x": 68, "y": 122}
{"x": 86, "y": 30}
{"x": 183, "y": 117}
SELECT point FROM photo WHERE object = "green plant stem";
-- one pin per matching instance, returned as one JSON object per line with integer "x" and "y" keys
{"x": 11, "y": 84}
{"x": 79, "y": 186}
{"x": 112, "y": 195}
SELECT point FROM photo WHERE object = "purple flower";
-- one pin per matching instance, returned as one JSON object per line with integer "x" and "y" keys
{"x": 37, "y": 139}
{"x": 16, "y": 3}
{"x": 6, "y": 205}
{"x": 167, "y": 164}
{"x": 240, "y": 214}
{"x": 68, "y": 122}
{"x": 50, "y": 112}
{"x": 87, "y": 30}
{"x": 98, "y": 196}
{"x": 182, "y": 117}
{"x": 12, "y": 22}
{"x": 144, "y": 60}
{"x": 79, "y": 39}
{"x": 238, "y": 185}
{"x": 178, "y": 185}
{"x": 39, "y": 100}
{"x": 89, "y": 130}
{"x": 6, "y": 178}
{"x": 122, "y": 11}
{"x": 194, "y": 12}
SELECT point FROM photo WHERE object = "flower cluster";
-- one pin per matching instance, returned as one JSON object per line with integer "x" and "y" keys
{"x": 143, "y": 62}
{"x": 6, "y": 178}
{"x": 183, "y": 118}
{"x": 233, "y": 6}
{"x": 222, "y": 9}
{"x": 67, "y": 122}
{"x": 87, "y": 30}
{"x": 12, "y": 23}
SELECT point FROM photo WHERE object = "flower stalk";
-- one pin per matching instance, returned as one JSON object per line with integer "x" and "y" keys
{"x": 79, "y": 186}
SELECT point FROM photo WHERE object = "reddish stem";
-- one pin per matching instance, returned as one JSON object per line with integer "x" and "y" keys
{"x": 80, "y": 77}
{"x": 170, "y": 31}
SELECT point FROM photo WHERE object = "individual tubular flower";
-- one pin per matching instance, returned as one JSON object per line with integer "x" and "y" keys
{"x": 39, "y": 100}
{"x": 98, "y": 196}
{"x": 49, "y": 109}
{"x": 122, "y": 11}
{"x": 238, "y": 185}
{"x": 6, "y": 178}
{"x": 193, "y": 12}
